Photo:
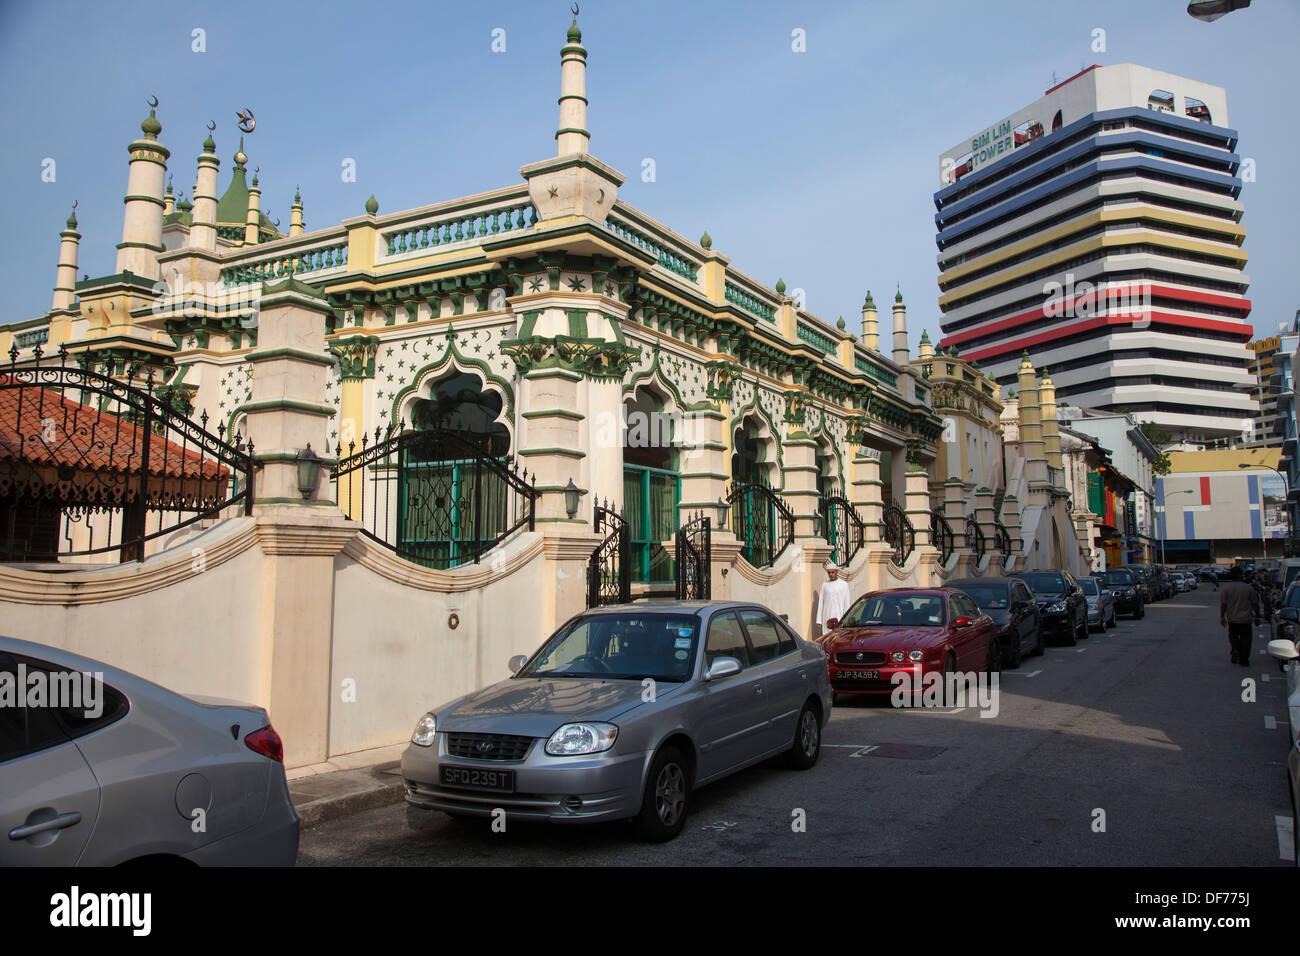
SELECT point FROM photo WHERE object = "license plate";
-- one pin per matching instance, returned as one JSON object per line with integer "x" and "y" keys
{"x": 472, "y": 778}
{"x": 860, "y": 675}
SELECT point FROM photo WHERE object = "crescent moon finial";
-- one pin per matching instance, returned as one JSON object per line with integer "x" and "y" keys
{"x": 74, "y": 203}
{"x": 153, "y": 102}
{"x": 574, "y": 8}
{"x": 212, "y": 126}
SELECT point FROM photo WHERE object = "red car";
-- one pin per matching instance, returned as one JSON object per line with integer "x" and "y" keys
{"x": 916, "y": 631}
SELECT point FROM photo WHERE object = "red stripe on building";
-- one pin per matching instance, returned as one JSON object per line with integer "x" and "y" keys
{"x": 1205, "y": 490}
{"x": 1167, "y": 292}
{"x": 1015, "y": 346}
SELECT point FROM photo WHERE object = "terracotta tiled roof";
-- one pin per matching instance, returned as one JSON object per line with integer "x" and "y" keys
{"x": 40, "y": 426}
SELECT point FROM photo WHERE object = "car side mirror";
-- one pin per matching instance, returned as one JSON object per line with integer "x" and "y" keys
{"x": 1283, "y": 650}
{"x": 722, "y": 667}
{"x": 962, "y": 622}
{"x": 516, "y": 662}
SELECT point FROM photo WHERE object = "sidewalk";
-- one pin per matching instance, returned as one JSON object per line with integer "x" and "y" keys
{"x": 346, "y": 784}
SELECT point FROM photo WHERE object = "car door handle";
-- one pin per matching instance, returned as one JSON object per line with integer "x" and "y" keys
{"x": 57, "y": 823}
{"x": 758, "y": 689}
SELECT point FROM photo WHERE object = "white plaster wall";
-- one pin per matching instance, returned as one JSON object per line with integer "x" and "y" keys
{"x": 394, "y": 642}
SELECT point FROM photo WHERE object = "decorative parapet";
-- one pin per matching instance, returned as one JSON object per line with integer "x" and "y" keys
{"x": 818, "y": 340}
{"x": 330, "y": 254}
{"x": 749, "y": 303}
{"x": 675, "y": 263}
{"x": 878, "y": 372}
{"x": 460, "y": 228}
{"x": 594, "y": 358}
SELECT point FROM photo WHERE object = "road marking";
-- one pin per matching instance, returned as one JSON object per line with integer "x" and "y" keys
{"x": 849, "y": 746}
{"x": 1079, "y": 650}
{"x": 1022, "y": 674}
{"x": 863, "y": 751}
{"x": 1285, "y": 837}
{"x": 1270, "y": 722}
{"x": 720, "y": 825}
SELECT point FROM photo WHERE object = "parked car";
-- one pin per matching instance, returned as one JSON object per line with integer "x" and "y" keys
{"x": 1063, "y": 608}
{"x": 114, "y": 769}
{"x": 1164, "y": 581}
{"x": 1101, "y": 602}
{"x": 1011, "y": 605}
{"x": 916, "y": 631}
{"x": 1181, "y": 582}
{"x": 1287, "y": 654}
{"x": 1150, "y": 592}
{"x": 1126, "y": 591}
{"x": 623, "y": 713}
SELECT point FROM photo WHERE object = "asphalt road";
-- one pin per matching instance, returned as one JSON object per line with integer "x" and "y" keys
{"x": 1133, "y": 749}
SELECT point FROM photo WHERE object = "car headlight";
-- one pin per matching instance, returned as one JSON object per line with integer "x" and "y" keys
{"x": 574, "y": 739}
{"x": 1057, "y": 607}
{"x": 916, "y": 655}
{"x": 898, "y": 657}
{"x": 425, "y": 731}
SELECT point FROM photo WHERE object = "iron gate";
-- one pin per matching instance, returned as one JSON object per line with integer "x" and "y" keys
{"x": 842, "y": 527}
{"x": 898, "y": 532}
{"x": 941, "y": 535}
{"x": 609, "y": 569}
{"x": 436, "y": 497}
{"x": 694, "y": 577}
{"x": 91, "y": 465}
{"x": 762, "y": 521}
{"x": 975, "y": 538}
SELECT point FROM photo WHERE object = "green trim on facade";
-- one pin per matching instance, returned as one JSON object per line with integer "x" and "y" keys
{"x": 553, "y": 413}
{"x": 310, "y": 408}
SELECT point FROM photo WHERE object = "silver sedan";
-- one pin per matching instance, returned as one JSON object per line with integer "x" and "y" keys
{"x": 622, "y": 714}
{"x": 99, "y": 767}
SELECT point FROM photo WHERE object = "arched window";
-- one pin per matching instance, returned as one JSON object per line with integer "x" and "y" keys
{"x": 451, "y": 505}
{"x": 652, "y": 487}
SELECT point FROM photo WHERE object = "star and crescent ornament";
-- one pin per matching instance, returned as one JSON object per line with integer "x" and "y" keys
{"x": 247, "y": 122}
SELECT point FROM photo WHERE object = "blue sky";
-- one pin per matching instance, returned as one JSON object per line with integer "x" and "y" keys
{"x": 816, "y": 167}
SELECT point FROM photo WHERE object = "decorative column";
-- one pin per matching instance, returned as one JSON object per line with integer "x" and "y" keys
{"x": 902, "y": 355}
{"x": 356, "y": 355}
{"x": 985, "y": 518}
{"x": 296, "y": 225}
{"x": 799, "y": 467}
{"x": 252, "y": 221}
{"x": 954, "y": 509}
{"x": 137, "y": 253}
{"x": 572, "y": 135}
{"x": 870, "y": 326}
{"x": 300, "y": 537}
{"x": 64, "y": 306}
{"x": 203, "y": 224}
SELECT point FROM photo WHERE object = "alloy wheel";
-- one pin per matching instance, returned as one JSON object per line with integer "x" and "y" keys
{"x": 670, "y": 794}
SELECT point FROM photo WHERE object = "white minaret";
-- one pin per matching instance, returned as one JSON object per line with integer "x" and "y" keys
{"x": 203, "y": 222}
{"x": 901, "y": 353}
{"x": 137, "y": 253}
{"x": 253, "y": 219}
{"x": 572, "y": 136}
{"x": 65, "y": 282}
{"x": 296, "y": 226}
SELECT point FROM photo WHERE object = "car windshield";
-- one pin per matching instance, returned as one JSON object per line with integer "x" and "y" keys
{"x": 623, "y": 646}
{"x": 991, "y": 597}
{"x": 1089, "y": 586}
{"x": 1044, "y": 583}
{"x": 1140, "y": 574}
{"x": 1116, "y": 577}
{"x": 896, "y": 610}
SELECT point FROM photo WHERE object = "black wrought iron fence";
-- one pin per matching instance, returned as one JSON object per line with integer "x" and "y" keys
{"x": 762, "y": 521}
{"x": 94, "y": 465}
{"x": 842, "y": 527}
{"x": 1002, "y": 539}
{"x": 609, "y": 569}
{"x": 941, "y": 535}
{"x": 436, "y": 497}
{"x": 898, "y": 532}
{"x": 693, "y": 557}
{"x": 975, "y": 538}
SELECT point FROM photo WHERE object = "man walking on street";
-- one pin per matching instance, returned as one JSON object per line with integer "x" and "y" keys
{"x": 1238, "y": 607}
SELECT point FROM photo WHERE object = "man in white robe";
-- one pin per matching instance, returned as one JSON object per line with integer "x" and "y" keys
{"x": 834, "y": 600}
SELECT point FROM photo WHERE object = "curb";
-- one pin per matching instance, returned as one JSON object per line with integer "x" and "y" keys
{"x": 379, "y": 791}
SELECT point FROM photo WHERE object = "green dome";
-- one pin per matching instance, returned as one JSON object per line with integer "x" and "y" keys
{"x": 72, "y": 218}
{"x": 898, "y": 297}
{"x": 869, "y": 304}
{"x": 151, "y": 127}
{"x": 575, "y": 35}
{"x": 209, "y": 144}
{"x": 232, "y": 207}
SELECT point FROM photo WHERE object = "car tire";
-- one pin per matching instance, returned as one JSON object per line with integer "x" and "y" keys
{"x": 948, "y": 688}
{"x": 664, "y": 802}
{"x": 1014, "y": 655}
{"x": 1040, "y": 648}
{"x": 807, "y": 744}
{"x": 1114, "y": 621}
{"x": 1082, "y": 629}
